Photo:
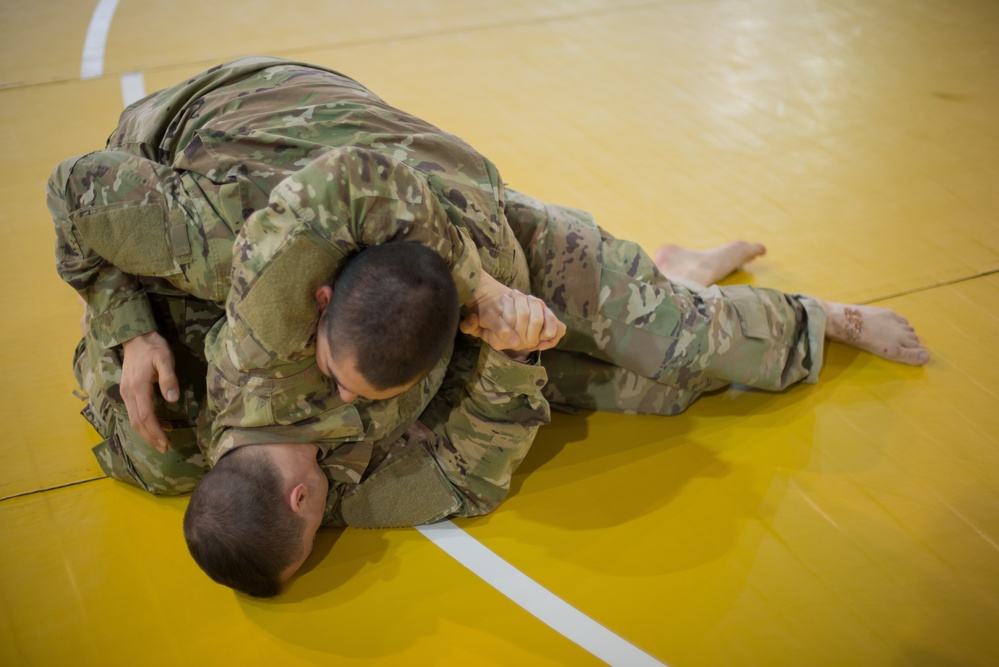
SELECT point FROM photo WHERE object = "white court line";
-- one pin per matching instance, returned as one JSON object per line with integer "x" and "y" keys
{"x": 133, "y": 87}
{"x": 534, "y": 598}
{"x": 508, "y": 580}
{"x": 92, "y": 65}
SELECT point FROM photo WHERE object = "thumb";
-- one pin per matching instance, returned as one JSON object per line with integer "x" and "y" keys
{"x": 169, "y": 386}
{"x": 470, "y": 326}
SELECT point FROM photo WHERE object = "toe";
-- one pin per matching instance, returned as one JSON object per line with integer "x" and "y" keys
{"x": 915, "y": 356}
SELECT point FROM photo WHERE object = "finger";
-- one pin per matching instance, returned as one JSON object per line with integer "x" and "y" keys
{"x": 142, "y": 417}
{"x": 560, "y": 330}
{"x": 536, "y": 322}
{"x": 169, "y": 386}
{"x": 470, "y": 326}
{"x": 550, "y": 328}
{"x": 420, "y": 430}
{"x": 522, "y": 307}
{"x": 509, "y": 337}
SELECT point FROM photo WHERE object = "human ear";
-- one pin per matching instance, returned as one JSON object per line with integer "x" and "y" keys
{"x": 323, "y": 296}
{"x": 296, "y": 497}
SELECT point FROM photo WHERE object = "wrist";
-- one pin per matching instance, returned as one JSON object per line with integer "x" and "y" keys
{"x": 488, "y": 289}
{"x": 131, "y": 341}
{"x": 147, "y": 338}
{"x": 141, "y": 337}
{"x": 521, "y": 356}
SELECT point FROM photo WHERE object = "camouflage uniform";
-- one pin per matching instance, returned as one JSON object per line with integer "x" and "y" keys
{"x": 319, "y": 167}
{"x": 161, "y": 211}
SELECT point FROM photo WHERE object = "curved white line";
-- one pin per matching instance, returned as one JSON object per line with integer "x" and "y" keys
{"x": 97, "y": 36}
{"x": 534, "y": 598}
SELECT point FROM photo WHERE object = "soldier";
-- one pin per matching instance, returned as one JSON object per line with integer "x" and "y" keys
{"x": 147, "y": 226}
{"x": 319, "y": 167}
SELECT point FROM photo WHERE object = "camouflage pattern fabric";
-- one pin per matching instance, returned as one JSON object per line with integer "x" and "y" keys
{"x": 121, "y": 306}
{"x": 124, "y": 224}
{"x": 268, "y": 342}
{"x": 639, "y": 342}
{"x": 482, "y": 422}
{"x": 319, "y": 167}
{"x": 195, "y": 159}
{"x": 123, "y": 454}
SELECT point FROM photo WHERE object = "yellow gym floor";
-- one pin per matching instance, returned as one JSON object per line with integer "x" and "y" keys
{"x": 853, "y": 522}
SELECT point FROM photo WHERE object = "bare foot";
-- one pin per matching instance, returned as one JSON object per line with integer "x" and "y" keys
{"x": 705, "y": 267}
{"x": 880, "y": 331}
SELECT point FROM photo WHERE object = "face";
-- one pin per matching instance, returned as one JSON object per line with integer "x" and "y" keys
{"x": 349, "y": 381}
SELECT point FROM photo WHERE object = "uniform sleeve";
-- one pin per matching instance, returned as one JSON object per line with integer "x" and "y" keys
{"x": 486, "y": 435}
{"x": 353, "y": 198}
{"x": 82, "y": 190}
{"x": 124, "y": 225}
{"x": 348, "y": 199}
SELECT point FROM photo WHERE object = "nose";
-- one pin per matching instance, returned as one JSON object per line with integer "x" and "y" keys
{"x": 346, "y": 396}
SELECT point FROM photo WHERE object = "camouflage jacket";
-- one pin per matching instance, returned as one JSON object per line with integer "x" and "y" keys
{"x": 318, "y": 167}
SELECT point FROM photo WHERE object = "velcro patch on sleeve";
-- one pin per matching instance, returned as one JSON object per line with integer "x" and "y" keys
{"x": 279, "y": 309}
{"x": 407, "y": 490}
{"x": 133, "y": 237}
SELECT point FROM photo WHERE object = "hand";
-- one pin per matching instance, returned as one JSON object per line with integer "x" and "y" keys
{"x": 513, "y": 322}
{"x": 148, "y": 361}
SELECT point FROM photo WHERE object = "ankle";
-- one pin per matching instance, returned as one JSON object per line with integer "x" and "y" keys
{"x": 835, "y": 319}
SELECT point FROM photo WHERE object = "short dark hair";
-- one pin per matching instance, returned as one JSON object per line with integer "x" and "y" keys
{"x": 238, "y": 527}
{"x": 395, "y": 308}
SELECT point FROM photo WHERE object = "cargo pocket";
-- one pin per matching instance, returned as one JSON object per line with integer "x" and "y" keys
{"x": 116, "y": 464}
{"x": 751, "y": 310}
{"x": 300, "y": 396}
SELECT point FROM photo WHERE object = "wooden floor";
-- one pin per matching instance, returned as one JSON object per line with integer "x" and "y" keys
{"x": 853, "y": 522}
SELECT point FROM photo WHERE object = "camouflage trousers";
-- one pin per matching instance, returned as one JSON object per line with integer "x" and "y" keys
{"x": 639, "y": 342}
{"x": 124, "y": 455}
